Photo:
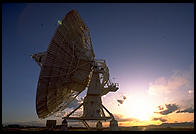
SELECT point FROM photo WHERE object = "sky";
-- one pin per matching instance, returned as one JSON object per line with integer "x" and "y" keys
{"x": 148, "y": 47}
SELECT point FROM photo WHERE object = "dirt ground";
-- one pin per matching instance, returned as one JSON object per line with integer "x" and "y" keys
{"x": 105, "y": 129}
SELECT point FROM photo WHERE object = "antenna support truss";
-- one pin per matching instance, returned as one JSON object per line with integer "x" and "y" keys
{"x": 93, "y": 109}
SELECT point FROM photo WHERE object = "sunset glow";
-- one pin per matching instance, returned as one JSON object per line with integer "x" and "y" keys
{"x": 139, "y": 107}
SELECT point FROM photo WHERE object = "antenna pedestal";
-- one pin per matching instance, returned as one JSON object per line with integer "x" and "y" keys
{"x": 92, "y": 105}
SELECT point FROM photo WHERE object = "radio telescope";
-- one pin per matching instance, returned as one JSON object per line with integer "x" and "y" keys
{"x": 67, "y": 68}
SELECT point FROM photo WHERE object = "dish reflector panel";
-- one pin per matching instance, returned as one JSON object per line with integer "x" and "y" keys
{"x": 66, "y": 70}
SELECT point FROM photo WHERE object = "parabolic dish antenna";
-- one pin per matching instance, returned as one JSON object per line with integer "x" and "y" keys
{"x": 67, "y": 68}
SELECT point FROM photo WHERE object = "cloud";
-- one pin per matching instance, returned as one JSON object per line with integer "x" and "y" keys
{"x": 121, "y": 101}
{"x": 169, "y": 109}
{"x": 160, "y": 107}
{"x": 161, "y": 119}
{"x": 162, "y": 86}
{"x": 179, "y": 80}
{"x": 188, "y": 110}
